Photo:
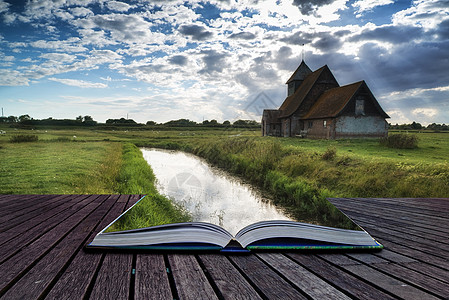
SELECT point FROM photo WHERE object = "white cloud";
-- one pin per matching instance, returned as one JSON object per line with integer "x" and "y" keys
{"x": 425, "y": 112}
{"x": 59, "y": 57}
{"x": 363, "y": 6}
{"x": 424, "y": 13}
{"x": 10, "y": 77}
{"x": 4, "y": 6}
{"x": 80, "y": 11}
{"x": 118, "y": 6}
{"x": 79, "y": 83}
{"x": 70, "y": 45}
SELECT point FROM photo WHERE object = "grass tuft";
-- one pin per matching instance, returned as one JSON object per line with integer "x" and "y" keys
{"x": 23, "y": 138}
{"x": 400, "y": 141}
{"x": 329, "y": 154}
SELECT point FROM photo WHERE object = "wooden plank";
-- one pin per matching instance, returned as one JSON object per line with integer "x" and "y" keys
{"x": 35, "y": 282}
{"x": 408, "y": 241}
{"x": 19, "y": 263}
{"x": 25, "y": 208}
{"x": 14, "y": 220}
{"x": 375, "y": 275}
{"x": 229, "y": 281}
{"x": 406, "y": 227}
{"x": 398, "y": 288}
{"x": 151, "y": 278}
{"x": 350, "y": 284}
{"x": 114, "y": 277}
{"x": 432, "y": 206}
{"x": 17, "y": 236}
{"x": 389, "y": 206}
{"x": 309, "y": 283}
{"x": 351, "y": 259}
{"x": 189, "y": 278}
{"x": 385, "y": 256}
{"x": 415, "y": 253}
{"x": 430, "y": 285}
{"x": 264, "y": 279}
{"x": 19, "y": 206}
{"x": 109, "y": 266}
{"x": 132, "y": 200}
{"x": 13, "y": 201}
{"x": 76, "y": 279}
{"x": 429, "y": 270}
{"x": 438, "y": 223}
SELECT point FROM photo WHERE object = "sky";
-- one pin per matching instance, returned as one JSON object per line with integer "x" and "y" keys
{"x": 223, "y": 60}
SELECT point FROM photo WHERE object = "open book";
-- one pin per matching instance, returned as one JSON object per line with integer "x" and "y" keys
{"x": 263, "y": 235}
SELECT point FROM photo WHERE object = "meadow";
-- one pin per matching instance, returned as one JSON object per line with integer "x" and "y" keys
{"x": 297, "y": 173}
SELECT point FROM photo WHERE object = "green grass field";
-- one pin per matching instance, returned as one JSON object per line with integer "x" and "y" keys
{"x": 294, "y": 172}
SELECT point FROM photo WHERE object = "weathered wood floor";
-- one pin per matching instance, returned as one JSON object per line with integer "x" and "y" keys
{"x": 42, "y": 256}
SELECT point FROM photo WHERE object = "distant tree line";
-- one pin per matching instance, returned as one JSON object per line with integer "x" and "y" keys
{"x": 26, "y": 120}
{"x": 418, "y": 126}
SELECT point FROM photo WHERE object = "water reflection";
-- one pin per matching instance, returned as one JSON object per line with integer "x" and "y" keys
{"x": 208, "y": 193}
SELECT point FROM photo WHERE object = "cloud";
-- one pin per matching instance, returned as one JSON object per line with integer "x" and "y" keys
{"x": 214, "y": 61}
{"x": 326, "y": 42}
{"x": 390, "y": 33}
{"x": 179, "y": 60}
{"x": 308, "y": 7}
{"x": 425, "y": 112}
{"x": 128, "y": 29}
{"x": 4, "y": 6}
{"x": 363, "y": 6}
{"x": 12, "y": 78}
{"x": 80, "y": 11}
{"x": 70, "y": 45}
{"x": 58, "y": 57}
{"x": 79, "y": 83}
{"x": 196, "y": 32}
{"x": 297, "y": 38}
{"x": 118, "y": 6}
{"x": 243, "y": 35}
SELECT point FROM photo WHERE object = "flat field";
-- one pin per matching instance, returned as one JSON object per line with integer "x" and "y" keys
{"x": 67, "y": 160}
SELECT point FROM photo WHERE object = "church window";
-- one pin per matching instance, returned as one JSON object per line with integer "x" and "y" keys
{"x": 324, "y": 123}
{"x": 359, "y": 107}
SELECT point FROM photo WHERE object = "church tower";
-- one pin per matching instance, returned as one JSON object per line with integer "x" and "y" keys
{"x": 297, "y": 78}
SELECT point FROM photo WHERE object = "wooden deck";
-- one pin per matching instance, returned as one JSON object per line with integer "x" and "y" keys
{"x": 42, "y": 256}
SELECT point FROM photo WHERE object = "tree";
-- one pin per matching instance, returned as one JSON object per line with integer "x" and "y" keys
{"x": 226, "y": 123}
{"x": 151, "y": 123}
{"x": 88, "y": 118}
{"x": 79, "y": 118}
{"x": 415, "y": 125}
{"x": 12, "y": 119}
{"x": 24, "y": 118}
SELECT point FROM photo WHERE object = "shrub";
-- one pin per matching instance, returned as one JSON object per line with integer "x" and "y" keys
{"x": 330, "y": 153}
{"x": 23, "y": 138}
{"x": 400, "y": 141}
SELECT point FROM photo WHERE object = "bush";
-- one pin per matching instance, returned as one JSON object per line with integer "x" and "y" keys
{"x": 400, "y": 141}
{"x": 23, "y": 138}
{"x": 330, "y": 153}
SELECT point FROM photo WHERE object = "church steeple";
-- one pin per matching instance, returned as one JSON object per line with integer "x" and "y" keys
{"x": 297, "y": 78}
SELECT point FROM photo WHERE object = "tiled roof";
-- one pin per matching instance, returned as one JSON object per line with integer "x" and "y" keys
{"x": 271, "y": 115}
{"x": 332, "y": 101}
{"x": 292, "y": 102}
{"x": 301, "y": 72}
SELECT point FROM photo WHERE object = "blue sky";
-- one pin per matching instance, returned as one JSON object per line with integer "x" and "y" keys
{"x": 165, "y": 60}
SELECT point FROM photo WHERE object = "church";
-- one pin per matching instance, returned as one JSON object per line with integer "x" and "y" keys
{"x": 318, "y": 107}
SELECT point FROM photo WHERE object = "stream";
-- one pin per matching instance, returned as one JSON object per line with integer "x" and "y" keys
{"x": 208, "y": 193}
